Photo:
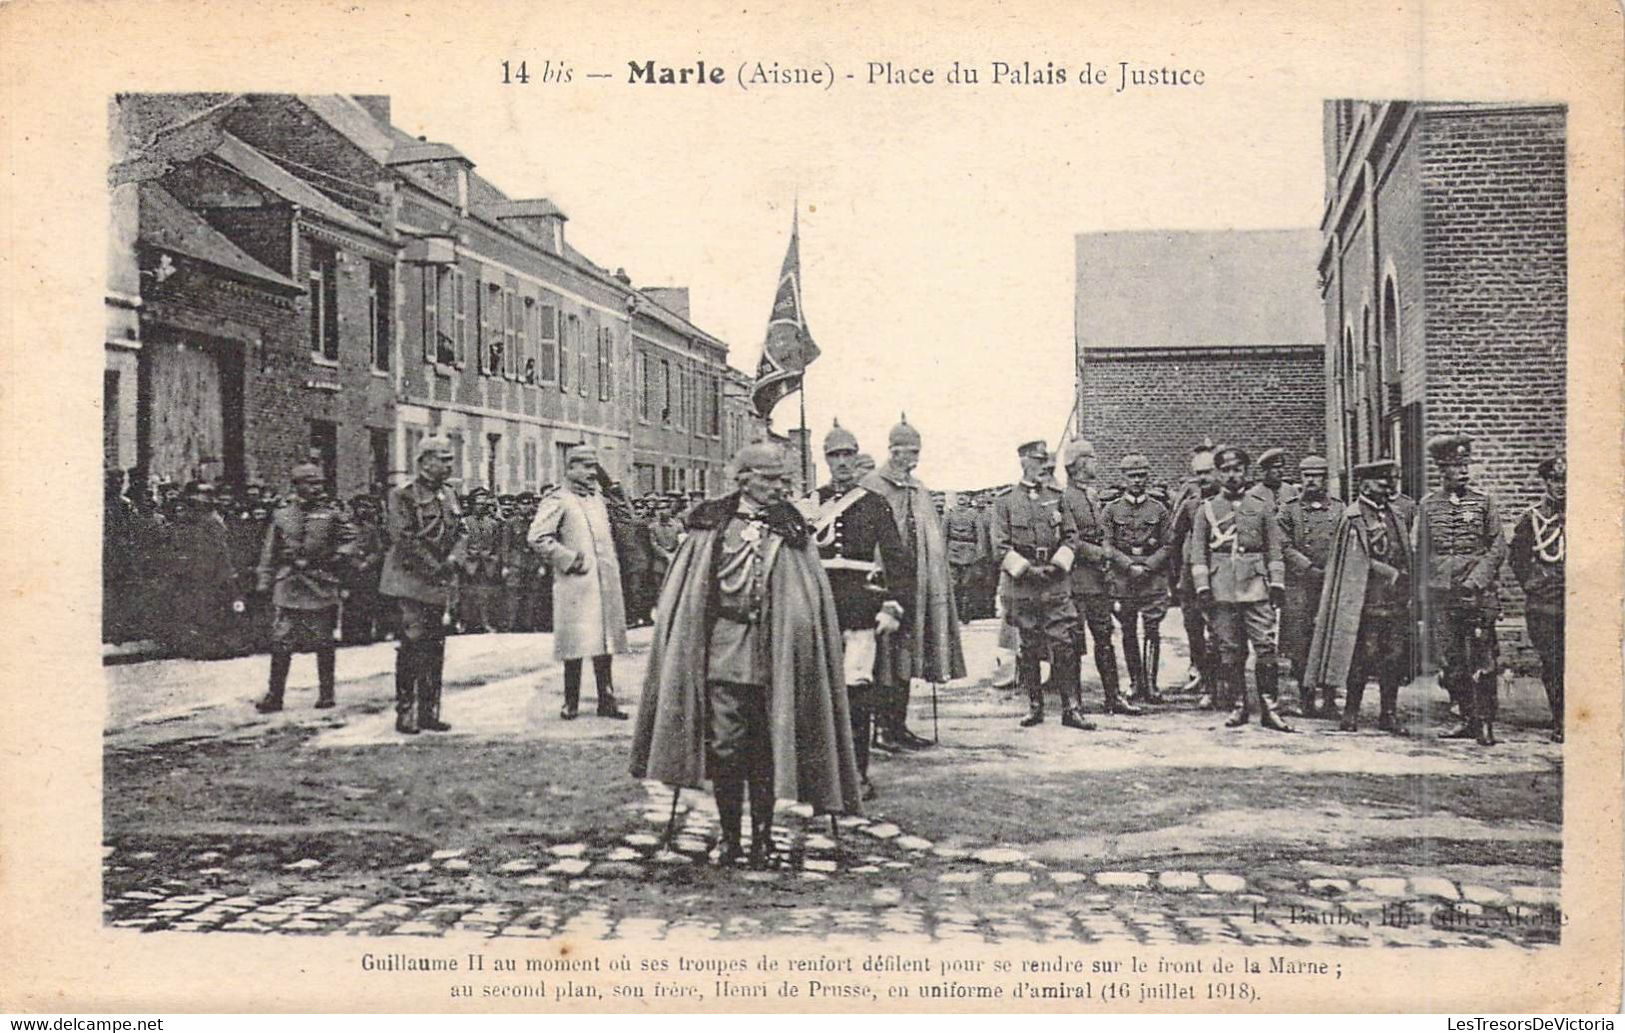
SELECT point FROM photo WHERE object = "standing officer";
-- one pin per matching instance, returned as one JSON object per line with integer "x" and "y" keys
{"x": 1241, "y": 578}
{"x": 302, "y": 566}
{"x": 1539, "y": 547}
{"x": 1363, "y": 623}
{"x": 1032, "y": 540}
{"x": 361, "y": 617}
{"x": 961, "y": 527}
{"x": 871, "y": 576}
{"x": 1272, "y": 486}
{"x": 1091, "y": 590}
{"x": 1307, "y": 523}
{"x": 1202, "y": 485}
{"x": 519, "y": 563}
{"x": 482, "y": 564}
{"x": 424, "y": 524}
{"x": 1138, "y": 539}
{"x": 1462, "y": 544}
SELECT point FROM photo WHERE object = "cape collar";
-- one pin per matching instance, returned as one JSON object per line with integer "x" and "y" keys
{"x": 781, "y": 518}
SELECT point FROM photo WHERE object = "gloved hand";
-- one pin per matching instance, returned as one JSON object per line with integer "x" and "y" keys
{"x": 1204, "y": 598}
{"x": 1277, "y": 597}
{"x": 886, "y": 623}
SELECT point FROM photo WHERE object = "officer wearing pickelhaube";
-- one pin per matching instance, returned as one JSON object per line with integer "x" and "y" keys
{"x": 424, "y": 524}
{"x": 1461, "y": 543}
{"x": 1307, "y": 522}
{"x": 871, "y": 576}
{"x": 1240, "y": 578}
{"x": 1139, "y": 539}
{"x": 302, "y": 565}
{"x": 1033, "y": 541}
{"x": 1091, "y": 587}
{"x": 1538, "y": 551}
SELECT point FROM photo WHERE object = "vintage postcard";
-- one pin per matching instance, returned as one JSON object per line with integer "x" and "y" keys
{"x": 614, "y": 507}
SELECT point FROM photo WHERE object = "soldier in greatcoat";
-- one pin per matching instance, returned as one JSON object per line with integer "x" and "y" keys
{"x": 871, "y": 576}
{"x": 1033, "y": 540}
{"x": 572, "y": 534}
{"x": 302, "y": 564}
{"x": 1538, "y": 551}
{"x": 1307, "y": 523}
{"x": 424, "y": 523}
{"x": 1240, "y": 578}
{"x": 1461, "y": 544}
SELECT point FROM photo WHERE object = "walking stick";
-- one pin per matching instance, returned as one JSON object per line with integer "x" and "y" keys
{"x": 671, "y": 822}
{"x": 936, "y": 732}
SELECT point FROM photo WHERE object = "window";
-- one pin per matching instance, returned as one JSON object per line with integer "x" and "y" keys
{"x": 645, "y": 386}
{"x": 566, "y": 333}
{"x": 644, "y": 474}
{"x": 665, "y": 394}
{"x": 493, "y": 448}
{"x": 700, "y": 478}
{"x": 510, "y": 335}
{"x": 578, "y": 344}
{"x": 414, "y": 437}
{"x": 548, "y": 343}
{"x": 454, "y": 346}
{"x": 606, "y": 364}
{"x": 379, "y": 442}
{"x": 324, "y": 303}
{"x": 380, "y": 311}
{"x": 457, "y": 453}
{"x": 324, "y": 449}
{"x": 527, "y": 360}
{"x": 431, "y": 313}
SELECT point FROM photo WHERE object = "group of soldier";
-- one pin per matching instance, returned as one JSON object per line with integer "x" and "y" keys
{"x": 1370, "y": 589}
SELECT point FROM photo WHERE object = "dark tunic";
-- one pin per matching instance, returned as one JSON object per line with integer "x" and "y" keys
{"x": 864, "y": 559}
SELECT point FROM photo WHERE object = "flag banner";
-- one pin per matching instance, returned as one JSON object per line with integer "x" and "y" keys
{"x": 789, "y": 347}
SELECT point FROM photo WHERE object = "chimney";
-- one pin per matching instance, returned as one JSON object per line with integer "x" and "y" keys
{"x": 377, "y": 105}
{"x": 443, "y": 165}
{"x": 672, "y": 299}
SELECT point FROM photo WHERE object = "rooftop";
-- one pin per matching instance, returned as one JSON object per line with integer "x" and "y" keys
{"x": 171, "y": 226}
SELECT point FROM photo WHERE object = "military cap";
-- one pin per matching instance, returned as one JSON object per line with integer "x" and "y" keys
{"x": 1450, "y": 448}
{"x": 864, "y": 461}
{"x": 1076, "y": 449}
{"x": 1312, "y": 464}
{"x": 361, "y": 498}
{"x": 198, "y": 490}
{"x": 1553, "y": 466}
{"x": 903, "y": 435}
{"x": 478, "y": 492}
{"x": 526, "y": 496}
{"x": 1033, "y": 450}
{"x": 1229, "y": 453}
{"x": 1134, "y": 462}
{"x": 760, "y": 455}
{"x": 434, "y": 444}
{"x": 582, "y": 453}
{"x": 839, "y": 439}
{"x": 1375, "y": 468}
{"x": 306, "y": 472}
{"x": 1272, "y": 457}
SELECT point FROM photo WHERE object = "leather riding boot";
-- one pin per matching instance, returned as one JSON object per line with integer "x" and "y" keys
{"x": 1306, "y": 700}
{"x": 1235, "y": 686}
{"x": 1115, "y": 704}
{"x": 1028, "y": 673}
{"x": 434, "y": 667}
{"x": 1388, "y": 717}
{"x": 407, "y": 668}
{"x": 326, "y": 665}
{"x": 729, "y": 789}
{"x": 1352, "y": 696}
{"x": 280, "y": 662}
{"x": 761, "y": 819}
{"x": 1328, "y": 702}
{"x": 1268, "y": 675}
{"x": 1133, "y": 659}
{"x": 603, "y": 677}
{"x": 572, "y": 690}
{"x": 862, "y": 718}
{"x": 1067, "y": 666}
{"x": 1486, "y": 688}
{"x": 1149, "y": 692}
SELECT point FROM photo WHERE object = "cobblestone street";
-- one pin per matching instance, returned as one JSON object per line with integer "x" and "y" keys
{"x": 1161, "y": 829}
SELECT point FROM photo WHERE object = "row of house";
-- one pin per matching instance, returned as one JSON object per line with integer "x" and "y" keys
{"x": 294, "y": 276}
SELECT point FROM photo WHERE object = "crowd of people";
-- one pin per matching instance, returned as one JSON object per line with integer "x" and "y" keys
{"x": 789, "y": 633}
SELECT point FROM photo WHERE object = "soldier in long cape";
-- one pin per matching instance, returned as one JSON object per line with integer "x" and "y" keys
{"x": 745, "y": 682}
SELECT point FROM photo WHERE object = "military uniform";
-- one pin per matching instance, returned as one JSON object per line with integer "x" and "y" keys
{"x": 424, "y": 524}
{"x": 481, "y": 581}
{"x": 1462, "y": 544}
{"x": 1139, "y": 543}
{"x": 1033, "y": 536}
{"x": 963, "y": 532}
{"x": 1198, "y": 634}
{"x": 1091, "y": 587}
{"x": 307, "y": 547}
{"x": 1307, "y": 525}
{"x": 1537, "y": 555}
{"x": 519, "y": 567}
{"x": 870, "y": 571}
{"x": 1236, "y": 561}
{"x": 361, "y": 619}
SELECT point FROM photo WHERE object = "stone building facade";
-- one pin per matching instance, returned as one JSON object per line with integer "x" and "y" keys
{"x": 1184, "y": 337}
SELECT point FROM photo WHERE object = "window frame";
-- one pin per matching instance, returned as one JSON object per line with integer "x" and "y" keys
{"x": 380, "y": 314}
{"x": 321, "y": 281}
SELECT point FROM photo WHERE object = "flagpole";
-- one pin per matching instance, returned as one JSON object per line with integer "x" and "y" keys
{"x": 806, "y": 476}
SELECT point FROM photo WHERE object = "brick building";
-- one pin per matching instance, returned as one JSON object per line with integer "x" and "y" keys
{"x": 678, "y": 380}
{"x": 1184, "y": 336}
{"x": 1444, "y": 283}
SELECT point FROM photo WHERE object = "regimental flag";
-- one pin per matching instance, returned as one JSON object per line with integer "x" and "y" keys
{"x": 789, "y": 347}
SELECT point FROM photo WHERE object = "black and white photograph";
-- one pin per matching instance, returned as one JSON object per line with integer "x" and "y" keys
{"x": 610, "y": 502}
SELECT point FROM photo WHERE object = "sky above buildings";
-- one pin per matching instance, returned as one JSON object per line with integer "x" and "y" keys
{"x": 937, "y": 226}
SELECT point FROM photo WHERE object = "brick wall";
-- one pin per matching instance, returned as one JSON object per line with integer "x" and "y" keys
{"x": 1493, "y": 185}
{"x": 1162, "y": 401}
